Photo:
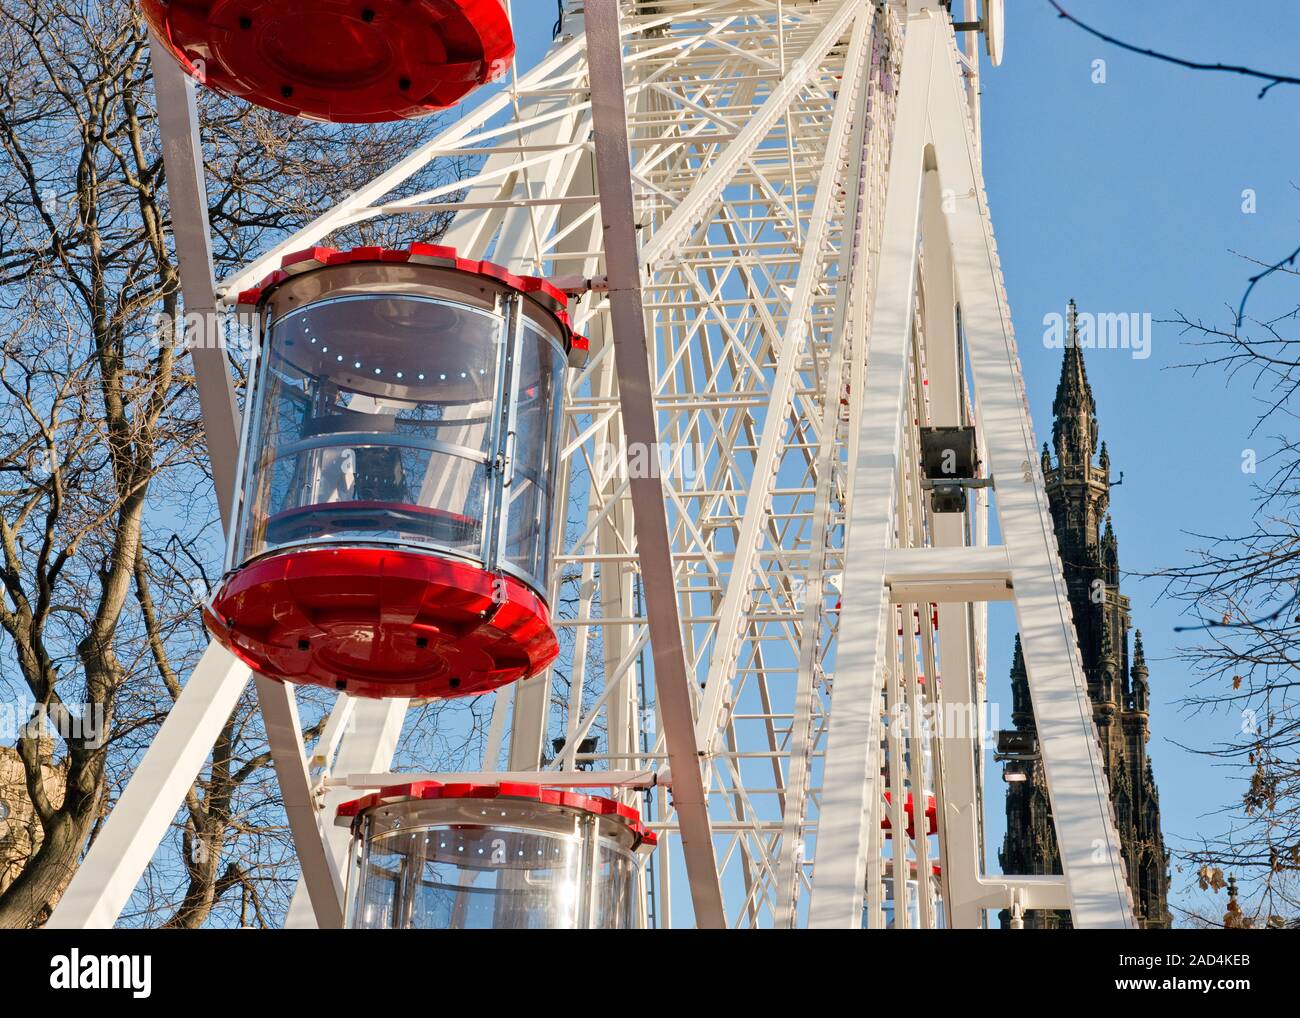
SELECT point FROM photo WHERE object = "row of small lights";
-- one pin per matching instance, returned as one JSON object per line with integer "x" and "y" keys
{"x": 380, "y": 371}
{"x": 442, "y": 844}
{"x": 461, "y": 848}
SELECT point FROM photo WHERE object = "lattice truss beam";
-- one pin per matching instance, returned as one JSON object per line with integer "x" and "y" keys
{"x": 751, "y": 166}
{"x": 759, "y": 134}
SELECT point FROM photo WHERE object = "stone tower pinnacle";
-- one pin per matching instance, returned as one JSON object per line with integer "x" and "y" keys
{"x": 1074, "y": 412}
{"x": 1078, "y": 491}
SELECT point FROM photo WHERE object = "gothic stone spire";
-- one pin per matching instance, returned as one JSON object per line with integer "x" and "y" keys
{"x": 1078, "y": 491}
{"x": 1022, "y": 711}
{"x": 1140, "y": 674}
{"x": 1074, "y": 429}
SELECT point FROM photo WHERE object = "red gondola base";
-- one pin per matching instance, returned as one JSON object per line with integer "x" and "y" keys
{"x": 381, "y": 623}
{"x": 346, "y": 61}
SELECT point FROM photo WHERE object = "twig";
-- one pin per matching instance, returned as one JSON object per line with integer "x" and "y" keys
{"x": 1195, "y": 65}
{"x": 1288, "y": 260}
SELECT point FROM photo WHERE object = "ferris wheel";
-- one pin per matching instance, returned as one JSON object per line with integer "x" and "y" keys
{"x": 717, "y": 347}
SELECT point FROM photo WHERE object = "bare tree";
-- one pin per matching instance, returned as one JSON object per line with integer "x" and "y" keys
{"x": 1243, "y": 590}
{"x": 108, "y": 530}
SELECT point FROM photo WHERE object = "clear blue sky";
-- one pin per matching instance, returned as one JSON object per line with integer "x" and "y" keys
{"x": 1127, "y": 196}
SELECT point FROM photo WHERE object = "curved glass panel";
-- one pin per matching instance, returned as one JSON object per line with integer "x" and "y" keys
{"x": 469, "y": 878}
{"x": 372, "y": 421}
{"x": 614, "y": 889}
{"x": 530, "y": 867}
{"x": 535, "y": 450}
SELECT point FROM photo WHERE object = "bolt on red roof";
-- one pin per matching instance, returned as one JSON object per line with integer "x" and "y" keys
{"x": 427, "y": 790}
{"x": 541, "y": 290}
{"x": 346, "y": 61}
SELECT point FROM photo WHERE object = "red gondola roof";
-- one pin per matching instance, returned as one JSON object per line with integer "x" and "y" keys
{"x": 424, "y": 790}
{"x": 539, "y": 289}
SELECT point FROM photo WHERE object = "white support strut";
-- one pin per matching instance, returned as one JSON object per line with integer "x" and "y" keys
{"x": 839, "y": 874}
{"x": 1077, "y": 784}
{"x": 118, "y": 856}
{"x": 636, "y": 391}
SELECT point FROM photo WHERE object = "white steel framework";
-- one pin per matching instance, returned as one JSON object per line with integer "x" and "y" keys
{"x": 773, "y": 212}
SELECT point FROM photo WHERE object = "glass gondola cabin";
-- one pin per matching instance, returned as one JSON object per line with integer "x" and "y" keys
{"x": 434, "y": 856}
{"x": 397, "y": 469}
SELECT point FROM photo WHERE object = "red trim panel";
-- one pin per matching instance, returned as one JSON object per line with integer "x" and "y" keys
{"x": 423, "y": 790}
{"x": 931, "y": 816}
{"x": 540, "y": 290}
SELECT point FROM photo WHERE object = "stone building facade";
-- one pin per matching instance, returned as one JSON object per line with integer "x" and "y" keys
{"x": 20, "y": 830}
